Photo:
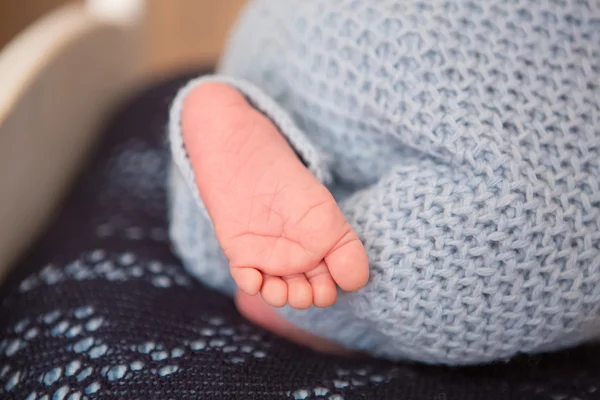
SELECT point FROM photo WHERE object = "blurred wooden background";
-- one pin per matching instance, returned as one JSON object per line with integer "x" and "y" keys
{"x": 182, "y": 33}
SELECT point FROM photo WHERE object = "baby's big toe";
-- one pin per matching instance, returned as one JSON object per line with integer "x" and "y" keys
{"x": 348, "y": 263}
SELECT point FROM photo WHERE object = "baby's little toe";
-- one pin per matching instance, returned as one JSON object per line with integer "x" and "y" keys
{"x": 323, "y": 286}
{"x": 300, "y": 293}
{"x": 274, "y": 291}
{"x": 248, "y": 280}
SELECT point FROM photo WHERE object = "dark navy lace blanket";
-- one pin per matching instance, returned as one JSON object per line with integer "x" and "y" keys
{"x": 101, "y": 309}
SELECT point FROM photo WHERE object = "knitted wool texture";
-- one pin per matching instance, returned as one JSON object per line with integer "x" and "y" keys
{"x": 462, "y": 142}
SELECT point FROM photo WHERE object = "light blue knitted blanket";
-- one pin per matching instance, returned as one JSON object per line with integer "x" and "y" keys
{"x": 462, "y": 141}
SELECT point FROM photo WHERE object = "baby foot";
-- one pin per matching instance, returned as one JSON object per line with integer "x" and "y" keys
{"x": 280, "y": 228}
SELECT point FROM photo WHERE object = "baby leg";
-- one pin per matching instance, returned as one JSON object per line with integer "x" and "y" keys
{"x": 460, "y": 272}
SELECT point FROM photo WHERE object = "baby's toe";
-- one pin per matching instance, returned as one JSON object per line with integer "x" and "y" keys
{"x": 348, "y": 263}
{"x": 300, "y": 293}
{"x": 274, "y": 291}
{"x": 323, "y": 286}
{"x": 248, "y": 280}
